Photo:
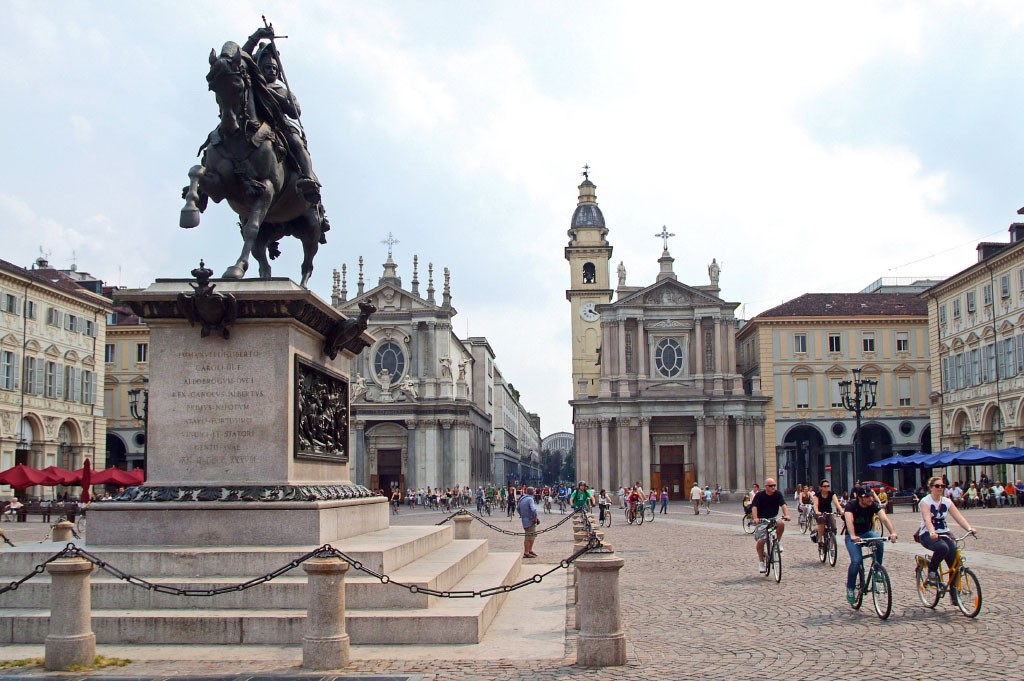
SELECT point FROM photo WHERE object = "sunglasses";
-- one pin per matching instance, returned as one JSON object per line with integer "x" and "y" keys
{"x": 939, "y": 486}
{"x": 826, "y": 485}
{"x": 769, "y": 485}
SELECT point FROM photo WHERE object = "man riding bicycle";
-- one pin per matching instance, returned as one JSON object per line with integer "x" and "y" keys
{"x": 825, "y": 501}
{"x": 766, "y": 505}
{"x": 860, "y": 516}
{"x": 582, "y": 498}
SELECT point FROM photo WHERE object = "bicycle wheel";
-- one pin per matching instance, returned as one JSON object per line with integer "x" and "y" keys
{"x": 640, "y": 516}
{"x": 777, "y": 560}
{"x": 967, "y": 592}
{"x": 607, "y": 522}
{"x": 823, "y": 549}
{"x": 630, "y": 516}
{"x": 804, "y": 525}
{"x": 833, "y": 549}
{"x": 748, "y": 524}
{"x": 859, "y": 589}
{"x": 80, "y": 524}
{"x": 649, "y": 514}
{"x": 928, "y": 593}
{"x": 881, "y": 592}
{"x": 769, "y": 555}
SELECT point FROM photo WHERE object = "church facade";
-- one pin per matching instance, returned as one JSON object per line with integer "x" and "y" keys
{"x": 657, "y": 397}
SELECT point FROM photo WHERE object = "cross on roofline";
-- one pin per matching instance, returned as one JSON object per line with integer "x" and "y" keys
{"x": 664, "y": 235}
{"x": 390, "y": 241}
{"x": 586, "y": 171}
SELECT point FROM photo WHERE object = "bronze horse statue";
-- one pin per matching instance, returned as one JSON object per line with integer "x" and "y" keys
{"x": 245, "y": 161}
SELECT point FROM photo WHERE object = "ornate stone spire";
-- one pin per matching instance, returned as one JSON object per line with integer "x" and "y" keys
{"x": 415, "y": 275}
{"x": 344, "y": 281}
{"x": 430, "y": 283}
{"x": 360, "y": 286}
{"x": 446, "y": 300}
{"x": 335, "y": 289}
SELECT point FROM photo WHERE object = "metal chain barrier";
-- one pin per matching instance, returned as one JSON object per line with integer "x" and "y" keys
{"x": 517, "y": 534}
{"x": 323, "y": 552}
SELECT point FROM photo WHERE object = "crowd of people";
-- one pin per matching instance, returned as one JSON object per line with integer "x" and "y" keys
{"x": 984, "y": 493}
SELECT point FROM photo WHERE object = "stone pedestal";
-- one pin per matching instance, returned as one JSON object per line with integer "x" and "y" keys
{"x": 230, "y": 459}
{"x": 325, "y": 644}
{"x": 463, "y": 523}
{"x": 71, "y": 639}
{"x": 601, "y": 641}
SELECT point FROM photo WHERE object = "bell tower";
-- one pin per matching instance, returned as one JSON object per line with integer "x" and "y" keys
{"x": 588, "y": 254}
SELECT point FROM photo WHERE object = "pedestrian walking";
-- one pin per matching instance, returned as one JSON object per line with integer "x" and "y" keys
{"x": 528, "y": 514}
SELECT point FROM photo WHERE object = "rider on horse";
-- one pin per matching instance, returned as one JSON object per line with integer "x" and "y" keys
{"x": 269, "y": 61}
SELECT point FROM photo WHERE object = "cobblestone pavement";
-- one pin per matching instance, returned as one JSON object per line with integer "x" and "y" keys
{"x": 695, "y": 607}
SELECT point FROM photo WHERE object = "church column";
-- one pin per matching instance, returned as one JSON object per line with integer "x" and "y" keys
{"x": 358, "y": 472}
{"x": 410, "y": 471}
{"x": 447, "y": 454}
{"x": 645, "y": 450}
{"x": 641, "y": 350}
{"x": 698, "y": 349}
{"x": 604, "y": 388}
{"x": 626, "y": 463}
{"x": 759, "y": 452}
{"x": 722, "y": 458}
{"x": 606, "y": 463}
{"x": 717, "y": 334}
{"x": 621, "y": 369}
{"x": 730, "y": 371}
{"x": 743, "y": 478}
{"x": 702, "y": 457}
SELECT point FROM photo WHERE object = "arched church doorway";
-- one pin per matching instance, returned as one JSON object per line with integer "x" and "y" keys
{"x": 875, "y": 445}
{"x": 117, "y": 453}
{"x": 386, "y": 455}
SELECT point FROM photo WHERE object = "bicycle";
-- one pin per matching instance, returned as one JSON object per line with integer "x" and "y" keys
{"x": 772, "y": 551}
{"x": 561, "y": 505}
{"x": 80, "y": 523}
{"x": 649, "y": 513}
{"x": 606, "y": 515}
{"x": 748, "y": 523}
{"x": 875, "y": 579}
{"x": 959, "y": 580}
{"x": 804, "y": 519}
{"x": 634, "y": 514}
{"x": 547, "y": 504}
{"x": 828, "y": 547}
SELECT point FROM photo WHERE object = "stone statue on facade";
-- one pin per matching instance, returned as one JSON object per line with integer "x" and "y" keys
{"x": 713, "y": 271}
{"x": 446, "y": 366}
{"x": 358, "y": 387}
{"x": 462, "y": 369}
{"x": 257, "y": 158}
{"x": 385, "y": 381}
{"x": 622, "y": 273}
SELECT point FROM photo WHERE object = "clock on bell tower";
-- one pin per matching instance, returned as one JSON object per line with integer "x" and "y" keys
{"x": 588, "y": 254}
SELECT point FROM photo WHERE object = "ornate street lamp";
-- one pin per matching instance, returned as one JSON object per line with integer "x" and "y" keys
{"x": 138, "y": 403}
{"x": 858, "y": 396}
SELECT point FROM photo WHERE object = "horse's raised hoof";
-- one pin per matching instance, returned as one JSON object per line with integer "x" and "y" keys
{"x": 189, "y": 217}
{"x": 234, "y": 272}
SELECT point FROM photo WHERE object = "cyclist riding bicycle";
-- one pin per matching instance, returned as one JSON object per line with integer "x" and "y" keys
{"x": 581, "y": 498}
{"x": 767, "y": 505}
{"x": 825, "y": 501}
{"x": 860, "y": 515}
{"x": 604, "y": 505}
{"x": 934, "y": 531}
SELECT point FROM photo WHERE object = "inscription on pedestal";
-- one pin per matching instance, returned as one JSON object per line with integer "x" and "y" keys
{"x": 217, "y": 396}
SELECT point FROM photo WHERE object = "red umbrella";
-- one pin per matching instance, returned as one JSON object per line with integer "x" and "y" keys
{"x": 86, "y": 482}
{"x": 116, "y": 476}
{"x": 22, "y": 476}
{"x": 59, "y": 476}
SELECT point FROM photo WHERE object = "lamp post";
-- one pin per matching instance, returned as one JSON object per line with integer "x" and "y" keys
{"x": 858, "y": 396}
{"x": 138, "y": 403}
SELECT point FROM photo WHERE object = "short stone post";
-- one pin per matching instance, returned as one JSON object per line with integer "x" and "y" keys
{"x": 601, "y": 641}
{"x": 325, "y": 643}
{"x": 463, "y": 523}
{"x": 71, "y": 639}
{"x": 62, "y": 531}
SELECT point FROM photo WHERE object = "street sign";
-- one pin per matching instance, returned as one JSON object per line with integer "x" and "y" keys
{"x": 828, "y": 467}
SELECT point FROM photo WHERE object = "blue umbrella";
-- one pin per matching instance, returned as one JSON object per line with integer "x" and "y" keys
{"x": 981, "y": 457}
{"x": 890, "y": 462}
{"x": 944, "y": 458}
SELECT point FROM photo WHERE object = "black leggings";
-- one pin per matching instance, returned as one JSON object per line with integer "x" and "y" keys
{"x": 943, "y": 549}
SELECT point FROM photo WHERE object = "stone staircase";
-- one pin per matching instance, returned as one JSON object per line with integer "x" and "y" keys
{"x": 273, "y": 612}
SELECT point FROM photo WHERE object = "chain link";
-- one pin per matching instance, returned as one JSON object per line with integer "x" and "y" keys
{"x": 325, "y": 551}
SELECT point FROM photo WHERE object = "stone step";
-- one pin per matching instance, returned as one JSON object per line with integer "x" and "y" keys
{"x": 439, "y": 570}
{"x": 381, "y": 551}
{"x": 446, "y": 621}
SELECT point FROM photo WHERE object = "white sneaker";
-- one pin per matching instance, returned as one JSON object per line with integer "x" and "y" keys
{"x": 781, "y": 547}
{"x": 760, "y": 566}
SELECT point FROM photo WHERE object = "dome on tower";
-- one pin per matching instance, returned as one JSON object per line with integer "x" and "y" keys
{"x": 587, "y": 213}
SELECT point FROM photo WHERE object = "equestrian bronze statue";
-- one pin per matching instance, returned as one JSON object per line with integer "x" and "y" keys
{"x": 257, "y": 158}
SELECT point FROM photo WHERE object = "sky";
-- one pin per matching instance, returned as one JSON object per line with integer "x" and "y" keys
{"x": 807, "y": 146}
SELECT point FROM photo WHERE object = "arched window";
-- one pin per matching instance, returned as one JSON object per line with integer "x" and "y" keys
{"x": 390, "y": 356}
{"x": 668, "y": 357}
{"x": 589, "y": 273}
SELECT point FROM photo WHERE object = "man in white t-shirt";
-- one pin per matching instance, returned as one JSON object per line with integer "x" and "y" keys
{"x": 696, "y": 494}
